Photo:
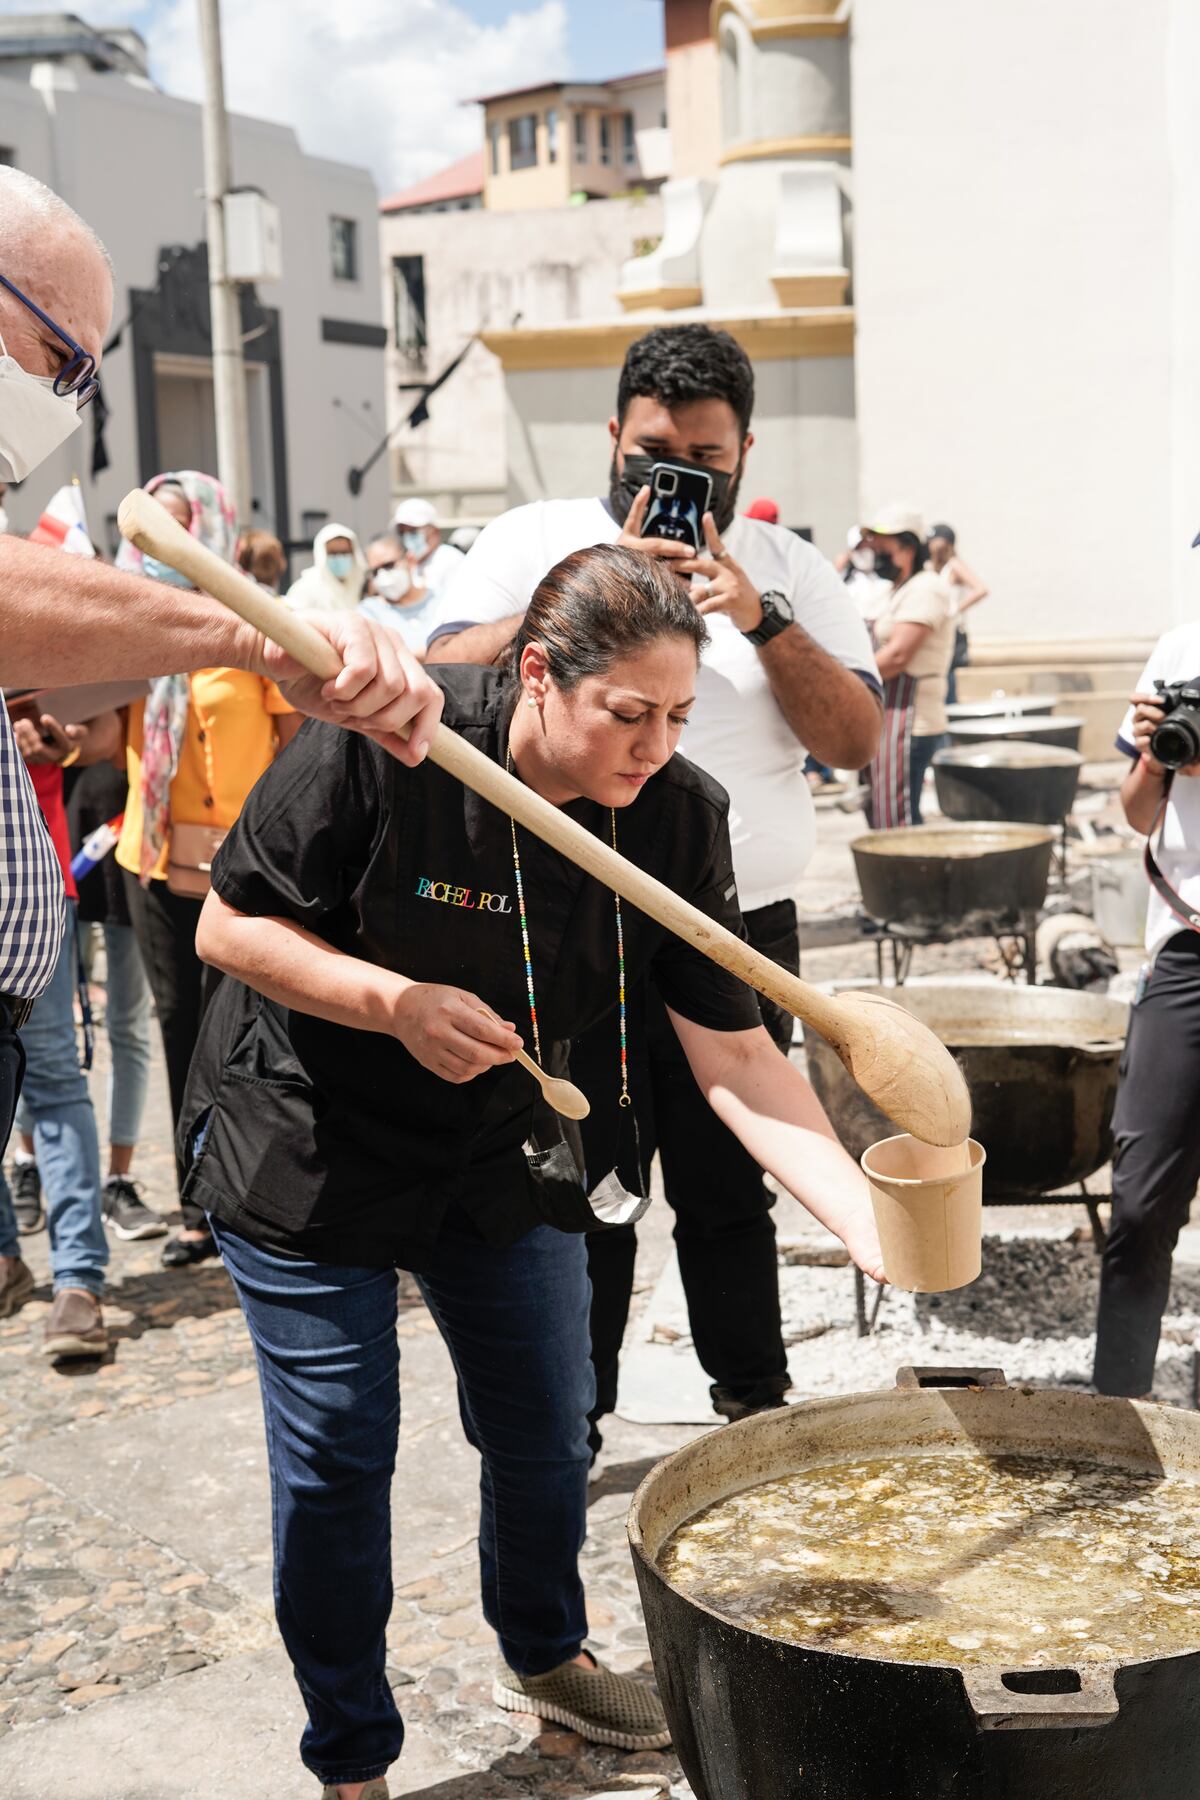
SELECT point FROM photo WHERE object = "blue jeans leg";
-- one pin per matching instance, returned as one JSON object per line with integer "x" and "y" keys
{"x": 127, "y": 1021}
{"x": 516, "y": 1323}
{"x": 64, "y": 1129}
{"x": 920, "y": 756}
{"x": 328, "y": 1365}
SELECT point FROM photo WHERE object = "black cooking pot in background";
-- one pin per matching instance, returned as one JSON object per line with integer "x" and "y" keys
{"x": 934, "y": 876}
{"x": 753, "y": 1718}
{"x": 1065, "y": 732}
{"x": 1009, "y": 707}
{"x": 1033, "y": 784}
{"x": 1041, "y": 1065}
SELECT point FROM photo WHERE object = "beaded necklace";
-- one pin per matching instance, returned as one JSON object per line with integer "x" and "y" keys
{"x": 537, "y": 1040}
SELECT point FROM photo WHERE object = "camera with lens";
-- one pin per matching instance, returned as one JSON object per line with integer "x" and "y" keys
{"x": 1176, "y": 741}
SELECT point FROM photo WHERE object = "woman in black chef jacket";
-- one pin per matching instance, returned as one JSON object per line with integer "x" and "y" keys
{"x": 354, "y": 1108}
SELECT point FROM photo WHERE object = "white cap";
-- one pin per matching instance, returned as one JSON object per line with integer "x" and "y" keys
{"x": 412, "y": 515}
{"x": 895, "y": 519}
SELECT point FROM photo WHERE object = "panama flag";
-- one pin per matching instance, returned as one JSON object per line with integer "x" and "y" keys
{"x": 63, "y": 525}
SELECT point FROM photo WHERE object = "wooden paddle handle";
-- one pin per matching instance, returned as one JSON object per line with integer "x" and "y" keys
{"x": 148, "y": 525}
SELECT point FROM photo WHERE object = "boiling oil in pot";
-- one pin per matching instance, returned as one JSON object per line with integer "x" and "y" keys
{"x": 954, "y": 1558}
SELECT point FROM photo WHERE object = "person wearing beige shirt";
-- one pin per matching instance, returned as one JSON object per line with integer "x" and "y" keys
{"x": 914, "y": 644}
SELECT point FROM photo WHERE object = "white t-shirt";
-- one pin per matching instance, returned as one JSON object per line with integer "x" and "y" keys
{"x": 438, "y": 570}
{"x": 1175, "y": 657}
{"x": 737, "y": 732}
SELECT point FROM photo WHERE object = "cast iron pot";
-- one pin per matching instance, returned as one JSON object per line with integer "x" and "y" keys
{"x": 1031, "y": 783}
{"x": 1002, "y": 706}
{"x": 756, "y": 1719}
{"x": 1064, "y": 732}
{"x": 933, "y": 876}
{"x": 1041, "y": 1064}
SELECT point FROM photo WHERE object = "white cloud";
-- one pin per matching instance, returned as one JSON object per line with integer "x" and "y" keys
{"x": 377, "y": 82}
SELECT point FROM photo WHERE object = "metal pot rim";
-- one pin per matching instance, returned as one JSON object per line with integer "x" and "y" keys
{"x": 979, "y": 1674}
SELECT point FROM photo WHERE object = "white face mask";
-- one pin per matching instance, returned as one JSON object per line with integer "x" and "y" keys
{"x": 392, "y": 584}
{"x": 34, "y": 420}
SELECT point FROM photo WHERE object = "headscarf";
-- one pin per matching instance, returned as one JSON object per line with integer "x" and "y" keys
{"x": 319, "y": 589}
{"x": 213, "y": 523}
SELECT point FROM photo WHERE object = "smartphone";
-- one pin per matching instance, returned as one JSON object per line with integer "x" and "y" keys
{"x": 679, "y": 499}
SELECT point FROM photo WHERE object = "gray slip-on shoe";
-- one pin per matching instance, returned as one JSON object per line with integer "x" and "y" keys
{"x": 602, "y": 1706}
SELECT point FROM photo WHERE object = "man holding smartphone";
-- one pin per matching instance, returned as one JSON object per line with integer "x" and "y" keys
{"x": 788, "y": 670}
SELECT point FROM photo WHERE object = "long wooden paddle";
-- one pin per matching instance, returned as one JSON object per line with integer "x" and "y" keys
{"x": 895, "y": 1059}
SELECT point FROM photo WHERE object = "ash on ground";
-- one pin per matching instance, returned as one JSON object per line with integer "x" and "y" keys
{"x": 1032, "y": 1313}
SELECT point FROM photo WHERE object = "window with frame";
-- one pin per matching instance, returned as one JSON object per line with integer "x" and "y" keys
{"x": 628, "y": 141}
{"x": 522, "y": 142}
{"x": 581, "y": 137}
{"x": 408, "y": 299}
{"x": 552, "y": 134}
{"x": 493, "y": 132}
{"x": 343, "y": 249}
{"x": 605, "y": 139}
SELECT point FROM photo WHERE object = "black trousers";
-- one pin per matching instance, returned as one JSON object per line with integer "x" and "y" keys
{"x": 12, "y": 1073}
{"x": 1156, "y": 1167}
{"x": 724, "y": 1234}
{"x": 165, "y": 926}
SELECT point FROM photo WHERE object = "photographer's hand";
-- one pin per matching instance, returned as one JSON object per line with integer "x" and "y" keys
{"x": 1148, "y": 715}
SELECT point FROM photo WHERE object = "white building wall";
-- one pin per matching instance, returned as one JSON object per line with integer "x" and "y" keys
{"x": 1016, "y": 289}
{"x": 129, "y": 160}
{"x": 803, "y": 455}
{"x": 485, "y": 270}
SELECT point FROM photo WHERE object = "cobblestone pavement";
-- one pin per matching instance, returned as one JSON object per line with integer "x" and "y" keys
{"x": 102, "y": 1600}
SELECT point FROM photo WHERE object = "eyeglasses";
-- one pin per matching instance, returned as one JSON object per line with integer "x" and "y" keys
{"x": 78, "y": 374}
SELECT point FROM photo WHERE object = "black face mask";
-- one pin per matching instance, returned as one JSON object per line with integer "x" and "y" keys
{"x": 625, "y": 485}
{"x": 886, "y": 566}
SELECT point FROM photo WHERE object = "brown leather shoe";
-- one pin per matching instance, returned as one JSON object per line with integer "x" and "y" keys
{"x": 75, "y": 1326}
{"x": 16, "y": 1284}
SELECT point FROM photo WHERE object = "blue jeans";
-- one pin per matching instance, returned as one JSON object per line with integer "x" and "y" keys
{"x": 516, "y": 1324}
{"x": 127, "y": 1022}
{"x": 64, "y": 1133}
{"x": 921, "y": 754}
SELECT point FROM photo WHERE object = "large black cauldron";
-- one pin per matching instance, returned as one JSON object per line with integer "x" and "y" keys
{"x": 1041, "y": 1065}
{"x": 756, "y": 1719}
{"x": 931, "y": 877}
{"x": 1033, "y": 784}
{"x": 1064, "y": 732}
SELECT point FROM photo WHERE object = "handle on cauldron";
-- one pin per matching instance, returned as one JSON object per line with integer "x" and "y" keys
{"x": 910, "y": 1378}
{"x": 1042, "y": 1699}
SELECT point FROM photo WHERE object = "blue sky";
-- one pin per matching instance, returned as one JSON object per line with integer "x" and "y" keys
{"x": 382, "y": 82}
{"x": 604, "y": 37}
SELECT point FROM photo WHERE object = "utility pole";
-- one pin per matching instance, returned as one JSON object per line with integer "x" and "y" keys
{"x": 229, "y": 369}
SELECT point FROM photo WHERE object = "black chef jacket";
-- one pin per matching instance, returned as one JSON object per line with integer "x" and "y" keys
{"x": 334, "y": 1143}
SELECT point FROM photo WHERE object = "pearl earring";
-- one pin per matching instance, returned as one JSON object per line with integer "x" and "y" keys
{"x": 530, "y": 701}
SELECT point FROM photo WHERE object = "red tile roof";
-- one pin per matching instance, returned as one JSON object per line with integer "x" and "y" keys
{"x": 457, "y": 182}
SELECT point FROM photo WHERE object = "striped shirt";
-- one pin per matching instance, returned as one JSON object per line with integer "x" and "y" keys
{"x": 31, "y": 883}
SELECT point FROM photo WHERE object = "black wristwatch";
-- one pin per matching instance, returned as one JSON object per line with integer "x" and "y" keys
{"x": 777, "y": 616}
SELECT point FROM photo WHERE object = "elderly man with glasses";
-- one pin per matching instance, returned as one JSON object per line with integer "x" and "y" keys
{"x": 74, "y": 620}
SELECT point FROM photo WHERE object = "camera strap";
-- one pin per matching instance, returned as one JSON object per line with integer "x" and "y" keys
{"x": 1158, "y": 881}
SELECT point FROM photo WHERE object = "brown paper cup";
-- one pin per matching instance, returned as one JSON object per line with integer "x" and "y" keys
{"x": 928, "y": 1211}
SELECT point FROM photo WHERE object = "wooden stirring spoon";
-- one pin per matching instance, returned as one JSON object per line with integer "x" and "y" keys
{"x": 890, "y": 1054}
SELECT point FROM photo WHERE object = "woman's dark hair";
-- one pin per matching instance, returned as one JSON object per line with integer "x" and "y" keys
{"x": 600, "y": 604}
{"x": 919, "y": 548}
{"x": 681, "y": 363}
